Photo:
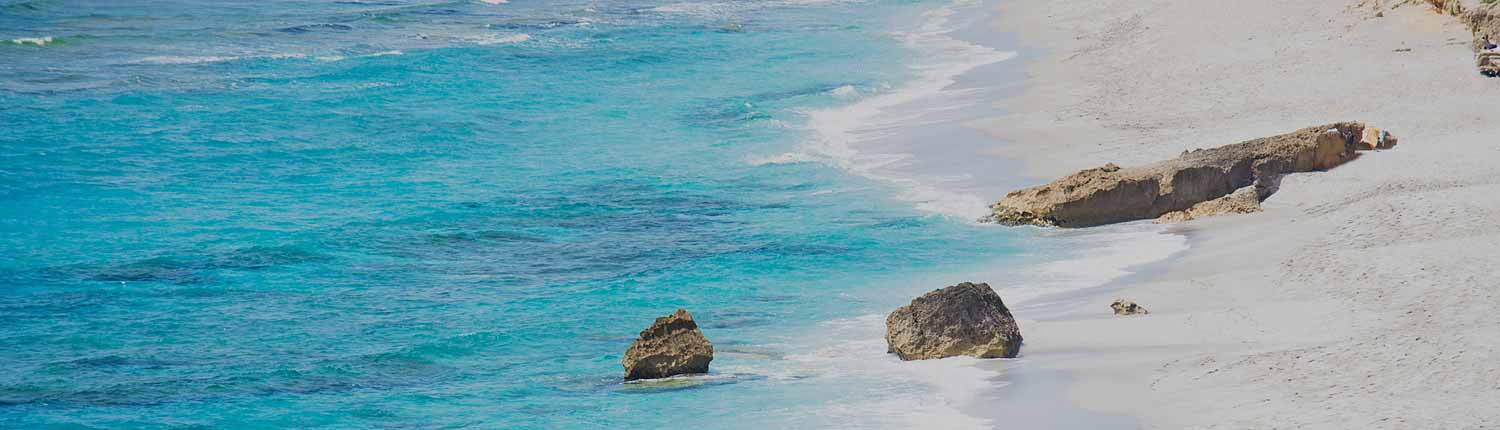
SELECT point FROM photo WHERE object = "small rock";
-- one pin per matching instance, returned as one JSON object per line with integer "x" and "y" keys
{"x": 673, "y": 345}
{"x": 1126, "y": 307}
{"x": 965, "y": 319}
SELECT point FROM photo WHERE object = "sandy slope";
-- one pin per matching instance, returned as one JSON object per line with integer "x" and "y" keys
{"x": 1364, "y": 297}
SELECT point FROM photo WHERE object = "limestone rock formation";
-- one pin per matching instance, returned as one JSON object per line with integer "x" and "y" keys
{"x": 1112, "y": 194}
{"x": 1483, "y": 20}
{"x": 964, "y": 319}
{"x": 1126, "y": 307}
{"x": 1242, "y": 201}
{"x": 673, "y": 345}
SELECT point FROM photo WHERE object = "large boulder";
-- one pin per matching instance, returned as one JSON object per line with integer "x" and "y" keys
{"x": 1112, "y": 194}
{"x": 673, "y": 345}
{"x": 964, "y": 319}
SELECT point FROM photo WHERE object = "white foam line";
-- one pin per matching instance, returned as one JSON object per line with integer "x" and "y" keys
{"x": 173, "y": 59}
{"x": 910, "y": 394}
{"x": 38, "y": 41}
{"x": 837, "y": 131}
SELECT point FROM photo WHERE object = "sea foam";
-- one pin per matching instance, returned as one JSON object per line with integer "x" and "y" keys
{"x": 836, "y": 133}
{"x": 907, "y": 394}
{"x": 174, "y": 59}
{"x": 38, "y": 41}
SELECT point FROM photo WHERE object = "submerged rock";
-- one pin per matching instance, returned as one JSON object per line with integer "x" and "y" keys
{"x": 1126, "y": 307}
{"x": 1112, "y": 194}
{"x": 673, "y": 345}
{"x": 964, "y": 319}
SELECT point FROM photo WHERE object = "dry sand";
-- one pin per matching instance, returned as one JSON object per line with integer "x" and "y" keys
{"x": 1363, "y": 297}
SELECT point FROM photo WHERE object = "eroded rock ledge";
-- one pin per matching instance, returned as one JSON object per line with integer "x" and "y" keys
{"x": 1112, "y": 194}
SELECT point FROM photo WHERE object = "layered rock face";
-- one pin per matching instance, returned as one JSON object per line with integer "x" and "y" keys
{"x": 964, "y": 319}
{"x": 1112, "y": 194}
{"x": 673, "y": 345}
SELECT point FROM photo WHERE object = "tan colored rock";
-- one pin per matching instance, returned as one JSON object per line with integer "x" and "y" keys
{"x": 965, "y": 319}
{"x": 1374, "y": 138}
{"x": 1126, "y": 307}
{"x": 1242, "y": 201}
{"x": 1451, "y": 7}
{"x": 673, "y": 345}
{"x": 1484, "y": 20}
{"x": 1112, "y": 194}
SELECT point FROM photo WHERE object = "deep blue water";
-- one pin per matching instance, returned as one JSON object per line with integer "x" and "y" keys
{"x": 409, "y": 214}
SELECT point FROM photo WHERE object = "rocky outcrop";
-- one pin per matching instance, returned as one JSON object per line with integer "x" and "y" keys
{"x": 1483, "y": 20}
{"x": 1113, "y": 194}
{"x": 1126, "y": 307}
{"x": 964, "y": 319}
{"x": 1242, "y": 201}
{"x": 673, "y": 345}
{"x": 1451, "y": 7}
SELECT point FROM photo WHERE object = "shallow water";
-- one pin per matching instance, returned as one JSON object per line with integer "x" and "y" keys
{"x": 361, "y": 214}
{"x": 403, "y": 213}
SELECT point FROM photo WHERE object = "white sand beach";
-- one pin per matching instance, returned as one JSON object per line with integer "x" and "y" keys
{"x": 1362, "y": 297}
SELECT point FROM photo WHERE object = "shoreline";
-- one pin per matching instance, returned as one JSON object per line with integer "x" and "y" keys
{"x": 889, "y": 138}
{"x": 1355, "y": 287}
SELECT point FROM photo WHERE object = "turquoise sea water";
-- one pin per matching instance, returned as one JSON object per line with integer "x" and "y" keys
{"x": 415, "y": 214}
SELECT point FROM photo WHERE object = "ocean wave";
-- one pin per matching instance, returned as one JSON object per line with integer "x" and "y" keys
{"x": 334, "y": 58}
{"x": 688, "y": 8}
{"x": 837, "y": 132}
{"x": 174, "y": 59}
{"x": 203, "y": 59}
{"x": 209, "y": 59}
{"x": 720, "y": 8}
{"x": 785, "y": 158}
{"x": 493, "y": 39}
{"x": 916, "y": 394}
{"x": 308, "y": 28}
{"x": 38, "y": 41}
{"x": 845, "y": 92}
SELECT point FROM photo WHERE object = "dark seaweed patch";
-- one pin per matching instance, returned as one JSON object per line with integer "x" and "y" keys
{"x": 735, "y": 319}
{"x": 161, "y": 269}
{"x": 192, "y": 269}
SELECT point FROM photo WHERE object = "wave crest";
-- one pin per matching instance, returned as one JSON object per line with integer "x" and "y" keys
{"x": 38, "y": 41}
